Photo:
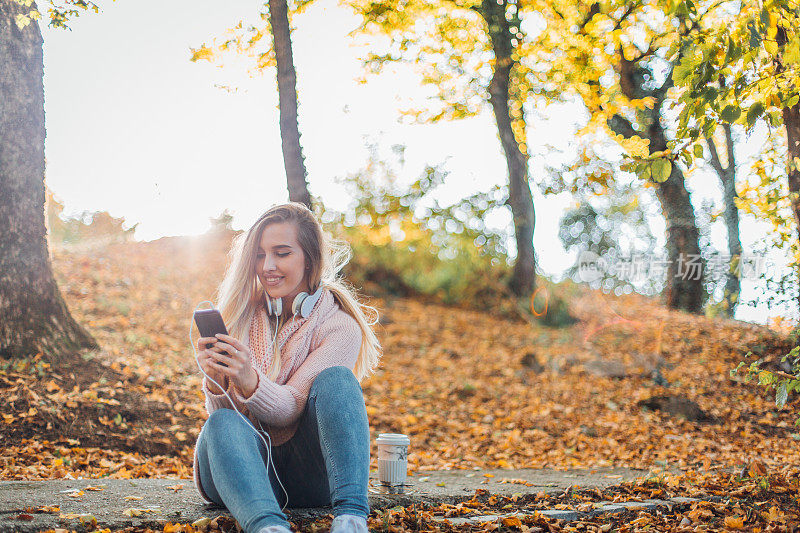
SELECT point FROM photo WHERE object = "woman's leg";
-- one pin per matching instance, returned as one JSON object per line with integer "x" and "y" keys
{"x": 232, "y": 462}
{"x": 327, "y": 460}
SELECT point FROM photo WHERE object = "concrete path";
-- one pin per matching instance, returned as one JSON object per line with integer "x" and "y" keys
{"x": 116, "y": 503}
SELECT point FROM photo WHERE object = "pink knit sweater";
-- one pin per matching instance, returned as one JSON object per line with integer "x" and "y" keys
{"x": 328, "y": 337}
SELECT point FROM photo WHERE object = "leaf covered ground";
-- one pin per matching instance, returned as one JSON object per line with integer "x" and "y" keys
{"x": 630, "y": 384}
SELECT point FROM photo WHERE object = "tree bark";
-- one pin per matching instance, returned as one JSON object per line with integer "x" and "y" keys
{"x": 791, "y": 121}
{"x": 520, "y": 199}
{"x": 34, "y": 315}
{"x": 727, "y": 176}
{"x": 293, "y": 160}
{"x": 685, "y": 265}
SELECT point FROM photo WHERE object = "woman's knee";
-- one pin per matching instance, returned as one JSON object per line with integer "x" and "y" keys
{"x": 335, "y": 378}
{"x": 224, "y": 423}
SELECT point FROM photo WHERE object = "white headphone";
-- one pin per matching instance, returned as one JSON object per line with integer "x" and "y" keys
{"x": 303, "y": 303}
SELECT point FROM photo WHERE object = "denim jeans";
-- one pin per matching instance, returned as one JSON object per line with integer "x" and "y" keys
{"x": 326, "y": 462}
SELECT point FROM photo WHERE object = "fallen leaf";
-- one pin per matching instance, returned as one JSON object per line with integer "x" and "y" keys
{"x": 201, "y": 522}
{"x": 734, "y": 522}
{"x": 137, "y": 512}
{"x": 512, "y": 521}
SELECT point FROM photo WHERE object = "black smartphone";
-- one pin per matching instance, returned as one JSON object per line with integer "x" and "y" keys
{"x": 209, "y": 323}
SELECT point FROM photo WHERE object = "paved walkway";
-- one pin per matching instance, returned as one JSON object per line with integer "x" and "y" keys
{"x": 116, "y": 503}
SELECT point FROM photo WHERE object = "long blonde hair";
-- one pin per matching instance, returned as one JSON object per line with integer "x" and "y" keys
{"x": 240, "y": 294}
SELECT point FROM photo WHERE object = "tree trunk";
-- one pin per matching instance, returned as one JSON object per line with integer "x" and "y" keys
{"x": 727, "y": 176}
{"x": 34, "y": 315}
{"x": 520, "y": 200}
{"x": 686, "y": 267}
{"x": 293, "y": 160}
{"x": 791, "y": 121}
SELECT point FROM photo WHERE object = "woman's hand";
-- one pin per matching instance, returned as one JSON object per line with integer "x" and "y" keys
{"x": 212, "y": 363}
{"x": 239, "y": 370}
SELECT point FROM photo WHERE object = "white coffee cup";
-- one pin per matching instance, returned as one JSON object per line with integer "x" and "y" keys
{"x": 392, "y": 458}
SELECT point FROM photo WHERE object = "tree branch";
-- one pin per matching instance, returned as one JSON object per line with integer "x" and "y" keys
{"x": 622, "y": 126}
{"x": 715, "y": 162}
{"x": 729, "y": 145}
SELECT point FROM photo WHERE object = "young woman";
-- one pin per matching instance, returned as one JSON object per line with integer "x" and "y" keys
{"x": 299, "y": 344}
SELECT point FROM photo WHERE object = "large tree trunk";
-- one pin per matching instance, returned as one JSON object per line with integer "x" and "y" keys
{"x": 791, "y": 121}
{"x": 727, "y": 176}
{"x": 685, "y": 265}
{"x": 520, "y": 199}
{"x": 33, "y": 316}
{"x": 293, "y": 160}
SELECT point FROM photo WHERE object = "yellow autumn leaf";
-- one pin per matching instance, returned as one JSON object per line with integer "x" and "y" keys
{"x": 734, "y": 522}
{"x": 201, "y": 522}
{"x": 774, "y": 515}
{"x": 203, "y": 52}
{"x": 137, "y": 512}
{"x": 512, "y": 521}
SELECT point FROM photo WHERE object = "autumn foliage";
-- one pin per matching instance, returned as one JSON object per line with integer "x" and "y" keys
{"x": 485, "y": 391}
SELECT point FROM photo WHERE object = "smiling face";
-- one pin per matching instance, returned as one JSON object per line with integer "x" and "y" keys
{"x": 281, "y": 263}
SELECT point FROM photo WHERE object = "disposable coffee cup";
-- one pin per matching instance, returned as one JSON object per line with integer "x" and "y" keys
{"x": 393, "y": 459}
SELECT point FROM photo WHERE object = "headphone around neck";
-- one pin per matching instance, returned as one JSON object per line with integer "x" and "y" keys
{"x": 303, "y": 303}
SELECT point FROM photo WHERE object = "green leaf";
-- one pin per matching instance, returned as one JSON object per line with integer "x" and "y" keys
{"x": 755, "y": 38}
{"x": 730, "y": 113}
{"x": 661, "y": 169}
{"x": 709, "y": 94}
{"x": 755, "y": 111}
{"x": 644, "y": 172}
{"x": 732, "y": 53}
{"x": 764, "y": 16}
{"x": 698, "y": 150}
{"x": 781, "y": 395}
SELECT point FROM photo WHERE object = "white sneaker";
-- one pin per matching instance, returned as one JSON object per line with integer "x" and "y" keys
{"x": 349, "y": 523}
{"x": 274, "y": 529}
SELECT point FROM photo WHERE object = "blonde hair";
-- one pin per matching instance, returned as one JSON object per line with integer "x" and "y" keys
{"x": 240, "y": 295}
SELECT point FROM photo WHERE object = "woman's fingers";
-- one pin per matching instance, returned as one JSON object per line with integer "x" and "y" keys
{"x": 231, "y": 341}
{"x": 227, "y": 348}
{"x": 204, "y": 342}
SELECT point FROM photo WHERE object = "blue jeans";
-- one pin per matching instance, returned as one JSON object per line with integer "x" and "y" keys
{"x": 326, "y": 462}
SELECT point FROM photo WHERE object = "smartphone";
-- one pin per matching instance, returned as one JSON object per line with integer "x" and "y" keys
{"x": 209, "y": 323}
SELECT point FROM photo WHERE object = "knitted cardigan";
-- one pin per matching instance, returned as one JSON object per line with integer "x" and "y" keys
{"x": 328, "y": 337}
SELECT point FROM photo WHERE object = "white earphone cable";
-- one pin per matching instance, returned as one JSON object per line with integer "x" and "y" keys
{"x": 259, "y": 433}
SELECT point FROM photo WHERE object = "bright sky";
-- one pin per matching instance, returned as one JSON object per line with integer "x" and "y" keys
{"x": 136, "y": 129}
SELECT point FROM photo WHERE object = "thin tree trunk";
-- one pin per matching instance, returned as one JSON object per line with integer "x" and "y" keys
{"x": 520, "y": 200}
{"x": 33, "y": 315}
{"x": 727, "y": 176}
{"x": 293, "y": 159}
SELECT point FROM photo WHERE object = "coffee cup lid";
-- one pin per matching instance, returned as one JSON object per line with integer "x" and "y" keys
{"x": 393, "y": 438}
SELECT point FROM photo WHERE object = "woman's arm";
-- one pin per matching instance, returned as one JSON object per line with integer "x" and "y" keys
{"x": 214, "y": 401}
{"x": 282, "y": 405}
